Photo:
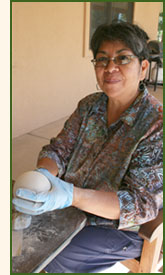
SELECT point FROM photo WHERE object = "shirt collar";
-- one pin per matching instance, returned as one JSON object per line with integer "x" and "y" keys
{"x": 129, "y": 116}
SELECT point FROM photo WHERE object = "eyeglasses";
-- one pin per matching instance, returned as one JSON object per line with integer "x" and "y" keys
{"x": 119, "y": 60}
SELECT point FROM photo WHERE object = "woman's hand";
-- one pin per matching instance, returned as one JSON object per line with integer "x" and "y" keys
{"x": 59, "y": 196}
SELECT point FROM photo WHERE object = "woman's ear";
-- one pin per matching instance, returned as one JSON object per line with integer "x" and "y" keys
{"x": 144, "y": 68}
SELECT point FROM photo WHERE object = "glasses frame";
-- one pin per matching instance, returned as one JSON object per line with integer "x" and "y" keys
{"x": 131, "y": 56}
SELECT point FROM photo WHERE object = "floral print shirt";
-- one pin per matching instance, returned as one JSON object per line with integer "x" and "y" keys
{"x": 126, "y": 157}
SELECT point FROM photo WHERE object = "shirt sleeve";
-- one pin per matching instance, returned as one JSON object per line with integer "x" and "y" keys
{"x": 61, "y": 147}
{"x": 141, "y": 192}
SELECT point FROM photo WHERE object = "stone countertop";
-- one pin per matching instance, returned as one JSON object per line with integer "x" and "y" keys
{"x": 46, "y": 237}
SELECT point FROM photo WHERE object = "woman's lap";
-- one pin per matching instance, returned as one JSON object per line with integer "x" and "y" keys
{"x": 96, "y": 248}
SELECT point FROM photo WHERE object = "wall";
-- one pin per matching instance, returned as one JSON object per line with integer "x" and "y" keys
{"x": 146, "y": 15}
{"x": 50, "y": 74}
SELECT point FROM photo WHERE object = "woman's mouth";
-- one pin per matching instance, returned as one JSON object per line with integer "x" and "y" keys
{"x": 111, "y": 80}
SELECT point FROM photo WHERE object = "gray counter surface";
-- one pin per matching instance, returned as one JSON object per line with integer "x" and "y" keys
{"x": 46, "y": 237}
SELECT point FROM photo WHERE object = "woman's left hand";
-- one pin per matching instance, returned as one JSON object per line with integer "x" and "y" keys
{"x": 32, "y": 203}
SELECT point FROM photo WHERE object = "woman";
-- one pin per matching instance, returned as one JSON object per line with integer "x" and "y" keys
{"x": 109, "y": 156}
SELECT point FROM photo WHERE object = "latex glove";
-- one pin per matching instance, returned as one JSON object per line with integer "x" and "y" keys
{"x": 32, "y": 203}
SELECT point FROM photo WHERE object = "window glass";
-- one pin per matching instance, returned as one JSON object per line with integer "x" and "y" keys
{"x": 160, "y": 27}
{"x": 106, "y": 12}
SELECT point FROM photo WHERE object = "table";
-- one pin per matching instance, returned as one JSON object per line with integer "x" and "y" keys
{"x": 46, "y": 237}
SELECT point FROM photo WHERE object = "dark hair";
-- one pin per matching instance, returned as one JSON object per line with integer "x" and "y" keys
{"x": 130, "y": 34}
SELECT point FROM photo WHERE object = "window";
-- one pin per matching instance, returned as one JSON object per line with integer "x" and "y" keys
{"x": 97, "y": 13}
{"x": 106, "y": 12}
{"x": 160, "y": 28}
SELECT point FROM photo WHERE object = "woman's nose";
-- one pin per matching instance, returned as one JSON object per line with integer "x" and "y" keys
{"x": 111, "y": 67}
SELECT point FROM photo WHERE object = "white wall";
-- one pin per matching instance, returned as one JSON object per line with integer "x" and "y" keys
{"x": 146, "y": 15}
{"x": 50, "y": 74}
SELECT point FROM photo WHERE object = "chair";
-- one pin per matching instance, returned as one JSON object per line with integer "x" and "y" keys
{"x": 151, "y": 259}
{"x": 156, "y": 56}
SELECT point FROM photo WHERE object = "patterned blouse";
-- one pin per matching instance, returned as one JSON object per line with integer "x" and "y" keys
{"x": 126, "y": 157}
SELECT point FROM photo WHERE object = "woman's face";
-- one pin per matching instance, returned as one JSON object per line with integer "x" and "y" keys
{"x": 119, "y": 81}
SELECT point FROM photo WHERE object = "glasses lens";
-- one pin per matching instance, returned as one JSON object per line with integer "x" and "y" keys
{"x": 119, "y": 60}
{"x": 101, "y": 62}
{"x": 123, "y": 59}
